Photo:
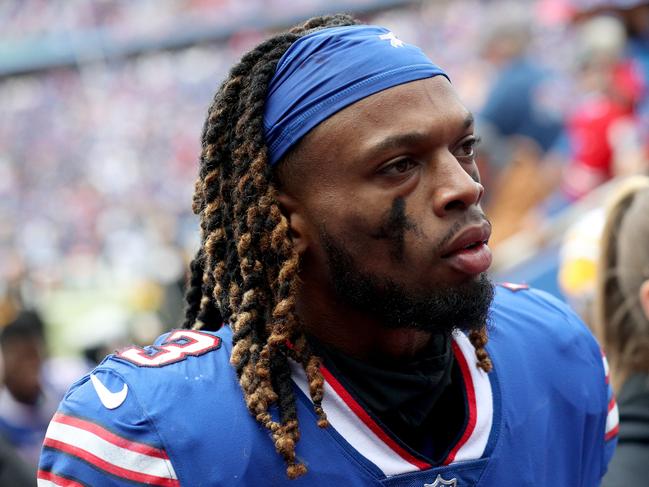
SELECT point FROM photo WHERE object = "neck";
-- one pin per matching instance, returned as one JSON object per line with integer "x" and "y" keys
{"x": 355, "y": 333}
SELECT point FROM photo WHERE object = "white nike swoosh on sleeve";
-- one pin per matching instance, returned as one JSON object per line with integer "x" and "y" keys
{"x": 110, "y": 400}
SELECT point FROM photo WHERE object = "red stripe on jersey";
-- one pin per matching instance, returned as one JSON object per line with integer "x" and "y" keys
{"x": 57, "y": 479}
{"x": 616, "y": 429}
{"x": 470, "y": 394}
{"x": 612, "y": 434}
{"x": 611, "y": 403}
{"x": 109, "y": 467}
{"x": 110, "y": 436}
{"x": 370, "y": 423}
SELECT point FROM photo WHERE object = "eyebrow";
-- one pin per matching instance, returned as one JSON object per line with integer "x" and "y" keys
{"x": 468, "y": 120}
{"x": 397, "y": 141}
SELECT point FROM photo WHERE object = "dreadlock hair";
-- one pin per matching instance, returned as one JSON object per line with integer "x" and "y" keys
{"x": 623, "y": 266}
{"x": 479, "y": 339}
{"x": 246, "y": 271}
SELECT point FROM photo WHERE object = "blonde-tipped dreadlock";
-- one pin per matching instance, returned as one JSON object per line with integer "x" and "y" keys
{"x": 246, "y": 271}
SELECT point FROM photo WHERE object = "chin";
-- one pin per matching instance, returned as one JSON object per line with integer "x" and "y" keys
{"x": 445, "y": 304}
{"x": 464, "y": 305}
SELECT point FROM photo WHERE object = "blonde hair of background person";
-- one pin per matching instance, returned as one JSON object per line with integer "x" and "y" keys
{"x": 622, "y": 294}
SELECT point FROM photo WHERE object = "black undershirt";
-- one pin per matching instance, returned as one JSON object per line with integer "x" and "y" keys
{"x": 420, "y": 401}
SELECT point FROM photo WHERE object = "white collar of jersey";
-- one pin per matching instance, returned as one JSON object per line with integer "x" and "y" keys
{"x": 369, "y": 439}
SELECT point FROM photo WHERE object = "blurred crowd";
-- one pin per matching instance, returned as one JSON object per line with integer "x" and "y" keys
{"x": 125, "y": 19}
{"x": 97, "y": 160}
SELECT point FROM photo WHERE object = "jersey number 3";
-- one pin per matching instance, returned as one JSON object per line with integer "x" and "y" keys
{"x": 177, "y": 346}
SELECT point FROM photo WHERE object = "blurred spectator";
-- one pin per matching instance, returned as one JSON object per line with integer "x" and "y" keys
{"x": 516, "y": 103}
{"x": 26, "y": 403}
{"x": 622, "y": 323}
{"x": 600, "y": 123}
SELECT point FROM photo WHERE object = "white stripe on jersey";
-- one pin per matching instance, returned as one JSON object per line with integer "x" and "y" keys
{"x": 113, "y": 454}
{"x": 613, "y": 418}
{"x": 355, "y": 431}
{"x": 372, "y": 447}
{"x": 475, "y": 446}
{"x": 606, "y": 368}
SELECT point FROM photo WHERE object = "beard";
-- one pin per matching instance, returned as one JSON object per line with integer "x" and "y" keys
{"x": 439, "y": 309}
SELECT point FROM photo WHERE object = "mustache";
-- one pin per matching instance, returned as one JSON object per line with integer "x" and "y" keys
{"x": 473, "y": 218}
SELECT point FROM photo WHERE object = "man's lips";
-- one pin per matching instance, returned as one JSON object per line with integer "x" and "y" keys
{"x": 468, "y": 252}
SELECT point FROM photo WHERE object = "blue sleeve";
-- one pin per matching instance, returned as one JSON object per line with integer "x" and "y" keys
{"x": 101, "y": 435}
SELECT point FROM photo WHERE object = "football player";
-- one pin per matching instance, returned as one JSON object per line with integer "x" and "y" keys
{"x": 340, "y": 327}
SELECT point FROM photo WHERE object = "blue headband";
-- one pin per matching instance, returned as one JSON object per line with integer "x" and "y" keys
{"x": 329, "y": 69}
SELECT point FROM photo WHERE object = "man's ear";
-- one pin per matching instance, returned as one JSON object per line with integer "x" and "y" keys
{"x": 292, "y": 210}
{"x": 644, "y": 297}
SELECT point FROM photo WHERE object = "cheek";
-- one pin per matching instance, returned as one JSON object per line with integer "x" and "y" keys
{"x": 366, "y": 228}
{"x": 357, "y": 231}
{"x": 351, "y": 223}
{"x": 377, "y": 244}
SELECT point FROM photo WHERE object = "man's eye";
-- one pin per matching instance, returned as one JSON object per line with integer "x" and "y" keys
{"x": 467, "y": 149}
{"x": 399, "y": 167}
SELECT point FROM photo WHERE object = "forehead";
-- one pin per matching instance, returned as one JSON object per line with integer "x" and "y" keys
{"x": 428, "y": 107}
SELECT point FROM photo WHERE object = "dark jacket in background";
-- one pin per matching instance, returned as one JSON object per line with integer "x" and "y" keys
{"x": 630, "y": 464}
{"x": 13, "y": 471}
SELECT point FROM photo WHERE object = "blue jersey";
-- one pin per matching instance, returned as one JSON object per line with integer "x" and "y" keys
{"x": 173, "y": 414}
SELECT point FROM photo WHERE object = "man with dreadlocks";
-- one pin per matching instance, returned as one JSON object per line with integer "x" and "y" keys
{"x": 344, "y": 248}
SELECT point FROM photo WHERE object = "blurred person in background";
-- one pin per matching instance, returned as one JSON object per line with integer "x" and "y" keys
{"x": 634, "y": 15}
{"x": 622, "y": 324}
{"x": 603, "y": 134}
{"x": 603, "y": 129}
{"x": 26, "y": 401}
{"x": 608, "y": 129}
{"x": 515, "y": 110}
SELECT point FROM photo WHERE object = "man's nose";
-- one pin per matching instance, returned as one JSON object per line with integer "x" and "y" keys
{"x": 456, "y": 189}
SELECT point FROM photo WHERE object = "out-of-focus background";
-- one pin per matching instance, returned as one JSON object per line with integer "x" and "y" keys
{"x": 101, "y": 108}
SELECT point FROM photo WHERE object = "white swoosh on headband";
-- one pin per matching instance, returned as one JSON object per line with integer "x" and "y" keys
{"x": 110, "y": 400}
